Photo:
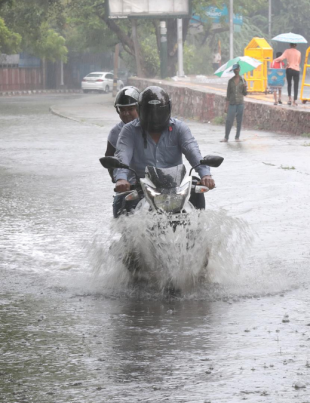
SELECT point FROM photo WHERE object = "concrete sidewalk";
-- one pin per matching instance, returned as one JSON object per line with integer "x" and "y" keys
{"x": 219, "y": 86}
{"x": 206, "y": 101}
{"x": 202, "y": 101}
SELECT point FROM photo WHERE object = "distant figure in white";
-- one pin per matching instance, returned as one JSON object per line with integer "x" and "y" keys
{"x": 216, "y": 62}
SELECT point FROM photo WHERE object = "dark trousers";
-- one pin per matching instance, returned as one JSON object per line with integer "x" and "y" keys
{"x": 292, "y": 74}
{"x": 234, "y": 111}
{"x": 120, "y": 205}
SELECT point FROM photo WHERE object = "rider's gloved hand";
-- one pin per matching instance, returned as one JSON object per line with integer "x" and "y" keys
{"x": 207, "y": 181}
{"x": 122, "y": 186}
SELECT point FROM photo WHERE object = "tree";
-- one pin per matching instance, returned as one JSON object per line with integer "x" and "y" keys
{"x": 9, "y": 41}
{"x": 291, "y": 16}
{"x": 89, "y": 17}
{"x": 37, "y": 23}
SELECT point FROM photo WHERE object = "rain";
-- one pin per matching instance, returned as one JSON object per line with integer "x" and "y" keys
{"x": 94, "y": 308}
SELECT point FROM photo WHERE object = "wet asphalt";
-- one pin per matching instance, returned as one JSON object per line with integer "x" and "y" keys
{"x": 70, "y": 333}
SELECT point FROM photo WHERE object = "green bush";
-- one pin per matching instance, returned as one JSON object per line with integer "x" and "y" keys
{"x": 218, "y": 120}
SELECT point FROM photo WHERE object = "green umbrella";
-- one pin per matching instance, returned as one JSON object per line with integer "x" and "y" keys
{"x": 246, "y": 64}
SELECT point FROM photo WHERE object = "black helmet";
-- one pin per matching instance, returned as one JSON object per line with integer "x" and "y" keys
{"x": 127, "y": 96}
{"x": 154, "y": 109}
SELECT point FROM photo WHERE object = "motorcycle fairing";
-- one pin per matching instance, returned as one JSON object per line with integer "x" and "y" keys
{"x": 166, "y": 178}
{"x": 171, "y": 200}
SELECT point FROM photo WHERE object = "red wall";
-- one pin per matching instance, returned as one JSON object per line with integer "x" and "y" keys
{"x": 18, "y": 79}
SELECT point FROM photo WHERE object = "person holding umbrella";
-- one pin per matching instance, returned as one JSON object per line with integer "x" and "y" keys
{"x": 236, "y": 90}
{"x": 293, "y": 58}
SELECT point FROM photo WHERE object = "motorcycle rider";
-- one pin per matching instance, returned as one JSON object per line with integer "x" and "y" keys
{"x": 156, "y": 139}
{"x": 126, "y": 103}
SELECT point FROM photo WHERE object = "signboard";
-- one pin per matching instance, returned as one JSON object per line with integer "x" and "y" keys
{"x": 148, "y": 8}
{"x": 218, "y": 16}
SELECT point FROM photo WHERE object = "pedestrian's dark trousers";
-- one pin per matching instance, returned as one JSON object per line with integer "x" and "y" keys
{"x": 120, "y": 205}
{"x": 234, "y": 111}
{"x": 292, "y": 74}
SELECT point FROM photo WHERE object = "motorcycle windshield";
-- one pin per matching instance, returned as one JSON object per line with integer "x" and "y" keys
{"x": 166, "y": 178}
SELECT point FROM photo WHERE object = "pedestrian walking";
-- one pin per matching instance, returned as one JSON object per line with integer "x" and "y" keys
{"x": 293, "y": 58}
{"x": 236, "y": 90}
{"x": 277, "y": 92}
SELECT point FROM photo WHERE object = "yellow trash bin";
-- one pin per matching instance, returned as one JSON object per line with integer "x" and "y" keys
{"x": 259, "y": 49}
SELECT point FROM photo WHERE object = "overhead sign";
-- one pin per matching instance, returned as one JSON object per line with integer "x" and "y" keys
{"x": 148, "y": 8}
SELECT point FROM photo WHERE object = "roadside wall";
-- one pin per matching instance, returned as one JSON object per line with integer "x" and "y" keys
{"x": 18, "y": 79}
{"x": 204, "y": 106}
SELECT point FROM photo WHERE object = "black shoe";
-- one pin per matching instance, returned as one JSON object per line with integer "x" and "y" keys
{"x": 280, "y": 102}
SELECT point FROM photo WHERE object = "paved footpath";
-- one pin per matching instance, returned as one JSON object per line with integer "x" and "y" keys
{"x": 219, "y": 85}
{"x": 90, "y": 109}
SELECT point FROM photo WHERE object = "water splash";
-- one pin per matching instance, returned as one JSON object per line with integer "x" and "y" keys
{"x": 144, "y": 249}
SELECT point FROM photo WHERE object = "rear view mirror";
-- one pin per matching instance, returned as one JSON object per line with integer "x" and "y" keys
{"x": 213, "y": 161}
{"x": 112, "y": 162}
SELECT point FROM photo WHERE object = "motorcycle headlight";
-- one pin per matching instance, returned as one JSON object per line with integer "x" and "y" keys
{"x": 168, "y": 200}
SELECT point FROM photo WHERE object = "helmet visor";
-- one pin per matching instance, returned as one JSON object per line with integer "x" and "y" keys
{"x": 154, "y": 117}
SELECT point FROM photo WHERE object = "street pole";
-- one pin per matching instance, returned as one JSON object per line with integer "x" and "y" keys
{"x": 163, "y": 49}
{"x": 136, "y": 47}
{"x": 180, "y": 48}
{"x": 269, "y": 21}
{"x": 61, "y": 73}
{"x": 115, "y": 72}
{"x": 231, "y": 29}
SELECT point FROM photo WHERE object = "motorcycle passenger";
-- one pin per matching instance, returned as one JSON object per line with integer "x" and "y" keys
{"x": 156, "y": 139}
{"x": 126, "y": 103}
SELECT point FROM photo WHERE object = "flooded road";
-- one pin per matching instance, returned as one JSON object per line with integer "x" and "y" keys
{"x": 73, "y": 330}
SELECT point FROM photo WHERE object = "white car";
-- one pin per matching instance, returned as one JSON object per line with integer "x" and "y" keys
{"x": 100, "y": 81}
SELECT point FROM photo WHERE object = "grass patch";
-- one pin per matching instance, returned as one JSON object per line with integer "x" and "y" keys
{"x": 288, "y": 168}
{"x": 306, "y": 144}
{"x": 219, "y": 120}
{"x": 305, "y": 135}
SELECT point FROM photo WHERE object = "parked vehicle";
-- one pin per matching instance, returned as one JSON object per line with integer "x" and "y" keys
{"x": 100, "y": 81}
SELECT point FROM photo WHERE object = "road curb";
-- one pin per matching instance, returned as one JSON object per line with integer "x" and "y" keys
{"x": 57, "y": 113}
{"x": 38, "y": 92}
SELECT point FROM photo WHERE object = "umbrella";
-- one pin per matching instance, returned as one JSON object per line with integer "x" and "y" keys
{"x": 246, "y": 64}
{"x": 290, "y": 38}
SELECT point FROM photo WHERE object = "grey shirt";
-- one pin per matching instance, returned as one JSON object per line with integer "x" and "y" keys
{"x": 112, "y": 139}
{"x": 176, "y": 140}
{"x": 114, "y": 133}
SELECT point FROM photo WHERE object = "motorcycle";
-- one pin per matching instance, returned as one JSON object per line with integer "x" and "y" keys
{"x": 169, "y": 237}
